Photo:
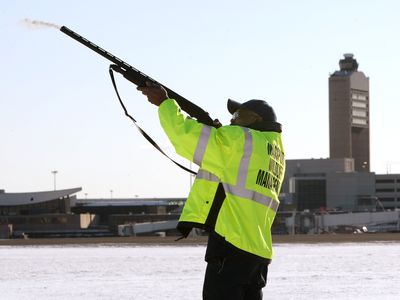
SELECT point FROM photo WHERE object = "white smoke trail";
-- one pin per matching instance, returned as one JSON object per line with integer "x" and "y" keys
{"x": 34, "y": 24}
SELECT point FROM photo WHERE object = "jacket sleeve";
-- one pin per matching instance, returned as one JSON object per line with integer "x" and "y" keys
{"x": 208, "y": 147}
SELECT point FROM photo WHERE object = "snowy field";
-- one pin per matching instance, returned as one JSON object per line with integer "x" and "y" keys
{"x": 299, "y": 271}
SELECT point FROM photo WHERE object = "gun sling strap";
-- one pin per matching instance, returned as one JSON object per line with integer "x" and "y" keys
{"x": 151, "y": 141}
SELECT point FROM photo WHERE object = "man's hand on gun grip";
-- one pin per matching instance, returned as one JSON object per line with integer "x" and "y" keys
{"x": 156, "y": 94}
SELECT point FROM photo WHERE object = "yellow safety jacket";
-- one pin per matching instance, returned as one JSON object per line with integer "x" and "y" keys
{"x": 250, "y": 166}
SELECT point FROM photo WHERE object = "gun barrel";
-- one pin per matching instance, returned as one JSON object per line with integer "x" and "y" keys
{"x": 103, "y": 53}
{"x": 93, "y": 46}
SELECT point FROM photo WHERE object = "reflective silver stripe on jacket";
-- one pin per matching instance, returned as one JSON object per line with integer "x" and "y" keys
{"x": 202, "y": 145}
{"x": 245, "y": 161}
{"x": 240, "y": 188}
{"x": 203, "y": 174}
{"x": 242, "y": 192}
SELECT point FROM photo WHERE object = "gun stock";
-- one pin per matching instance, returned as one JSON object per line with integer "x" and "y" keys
{"x": 139, "y": 78}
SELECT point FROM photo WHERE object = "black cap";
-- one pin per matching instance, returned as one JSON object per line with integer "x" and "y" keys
{"x": 260, "y": 107}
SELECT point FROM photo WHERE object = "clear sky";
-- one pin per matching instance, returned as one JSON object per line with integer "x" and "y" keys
{"x": 58, "y": 109}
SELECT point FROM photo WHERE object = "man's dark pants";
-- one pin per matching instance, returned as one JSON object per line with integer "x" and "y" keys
{"x": 234, "y": 278}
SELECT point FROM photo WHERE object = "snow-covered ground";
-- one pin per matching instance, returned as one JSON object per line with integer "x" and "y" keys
{"x": 298, "y": 271}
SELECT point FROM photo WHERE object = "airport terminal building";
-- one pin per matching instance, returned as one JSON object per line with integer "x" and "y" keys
{"x": 59, "y": 213}
{"x": 39, "y": 211}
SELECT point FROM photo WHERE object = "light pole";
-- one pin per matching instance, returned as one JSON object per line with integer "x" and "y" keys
{"x": 54, "y": 173}
{"x": 111, "y": 193}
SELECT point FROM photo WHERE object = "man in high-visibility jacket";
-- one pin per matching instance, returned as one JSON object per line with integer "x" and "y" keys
{"x": 235, "y": 194}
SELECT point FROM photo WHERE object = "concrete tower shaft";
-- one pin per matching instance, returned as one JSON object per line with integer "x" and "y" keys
{"x": 349, "y": 120}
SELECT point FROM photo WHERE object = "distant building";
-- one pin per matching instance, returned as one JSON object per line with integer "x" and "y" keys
{"x": 387, "y": 189}
{"x": 113, "y": 212}
{"x": 60, "y": 213}
{"x": 333, "y": 184}
{"x": 34, "y": 203}
{"x": 349, "y": 122}
{"x": 35, "y": 212}
{"x": 327, "y": 184}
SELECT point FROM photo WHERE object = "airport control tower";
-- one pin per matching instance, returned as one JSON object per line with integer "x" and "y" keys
{"x": 349, "y": 121}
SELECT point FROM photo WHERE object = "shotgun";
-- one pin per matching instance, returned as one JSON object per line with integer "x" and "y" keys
{"x": 139, "y": 78}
